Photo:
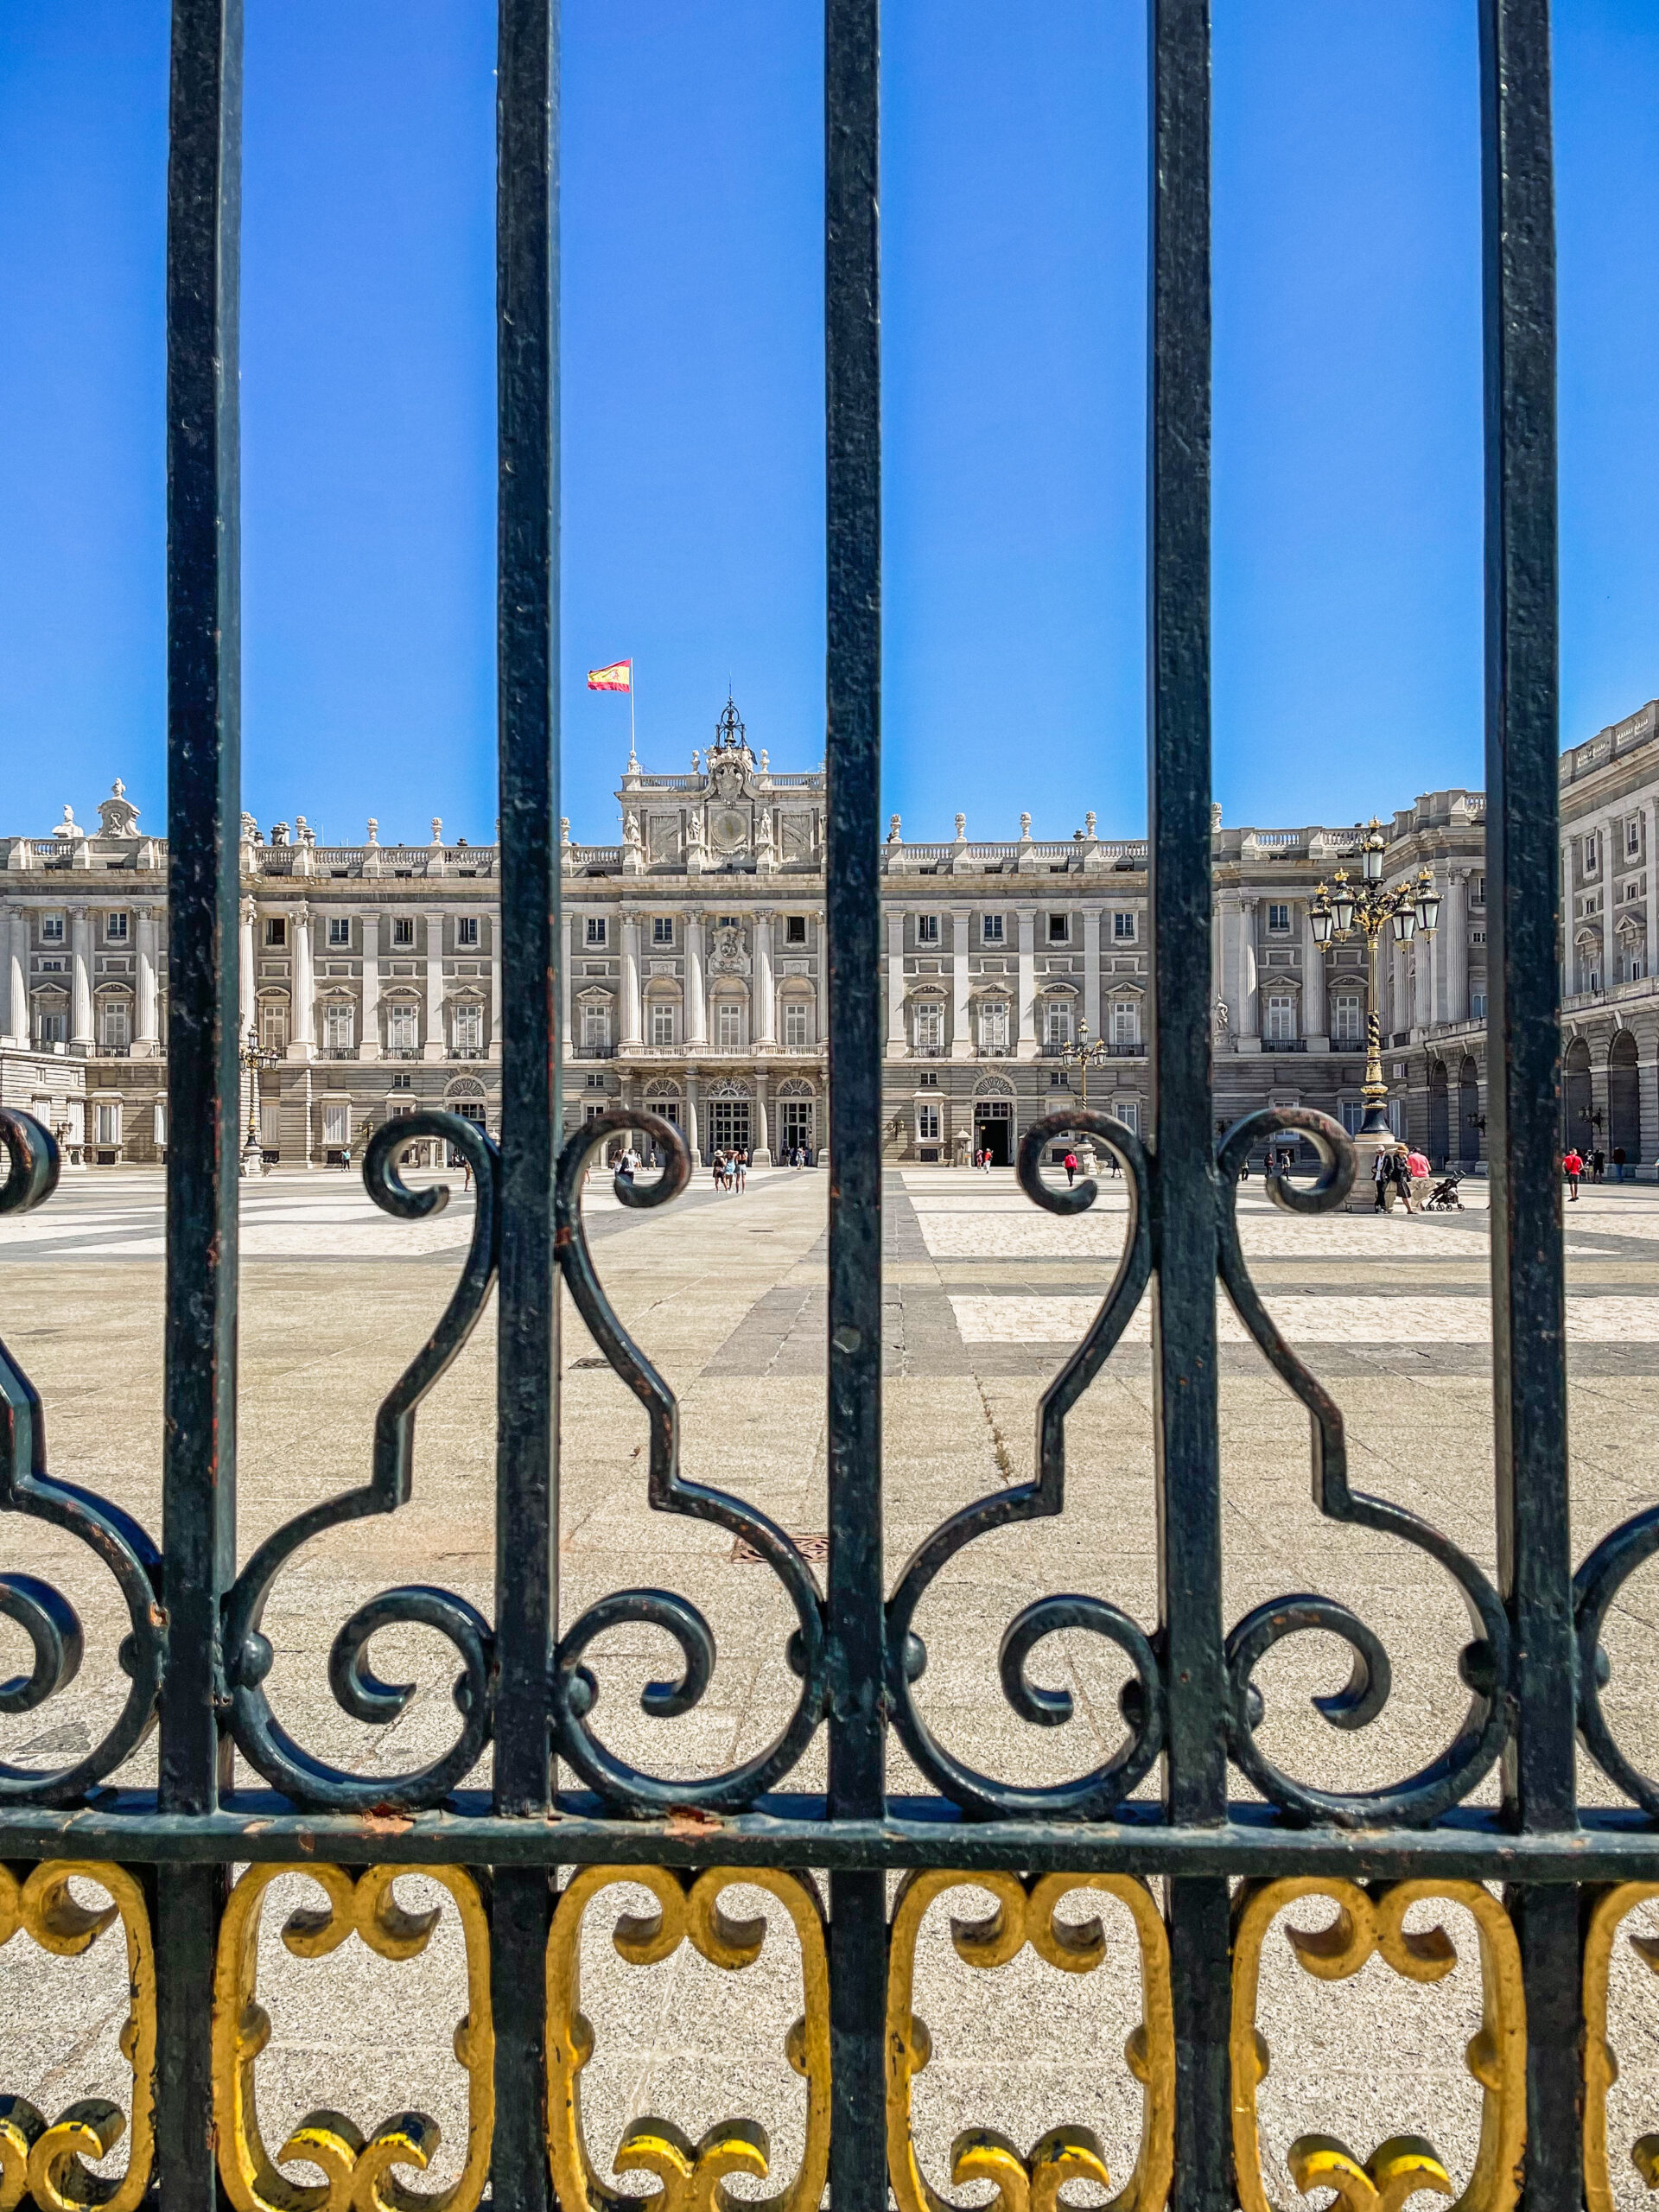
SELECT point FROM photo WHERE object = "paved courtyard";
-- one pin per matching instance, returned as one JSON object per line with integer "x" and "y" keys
{"x": 984, "y": 1298}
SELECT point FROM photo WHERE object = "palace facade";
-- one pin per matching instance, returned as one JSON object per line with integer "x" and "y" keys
{"x": 693, "y": 975}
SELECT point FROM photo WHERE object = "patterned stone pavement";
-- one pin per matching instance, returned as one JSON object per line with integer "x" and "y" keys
{"x": 984, "y": 1299}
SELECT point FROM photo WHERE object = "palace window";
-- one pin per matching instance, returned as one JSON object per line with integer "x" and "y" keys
{"x": 467, "y": 930}
{"x": 337, "y": 1125}
{"x": 1478, "y": 1006}
{"x": 160, "y": 1122}
{"x": 729, "y": 1026}
{"x": 927, "y": 1080}
{"x": 994, "y": 1026}
{"x": 402, "y": 1027}
{"x": 1278, "y": 916}
{"x": 273, "y": 1025}
{"x": 1347, "y": 1017}
{"x": 338, "y": 1026}
{"x": 1128, "y": 1110}
{"x": 1059, "y": 929}
{"x": 1589, "y": 850}
{"x": 54, "y": 1027}
{"x": 990, "y": 929}
{"x": 927, "y": 928}
{"x": 340, "y": 931}
{"x": 468, "y": 1019}
{"x": 928, "y": 1120}
{"x": 794, "y": 929}
{"x": 117, "y": 1027}
{"x": 662, "y": 929}
{"x": 277, "y": 930}
{"x": 1633, "y": 835}
{"x": 1126, "y": 1021}
{"x": 1476, "y": 891}
{"x": 595, "y": 1025}
{"x": 402, "y": 929}
{"x": 1353, "y": 1113}
{"x": 662, "y": 1024}
{"x": 1281, "y": 1018}
{"x": 115, "y": 929}
{"x": 1123, "y": 929}
{"x": 727, "y": 922}
{"x": 798, "y": 1023}
{"x": 928, "y": 1027}
{"x": 108, "y": 1120}
{"x": 401, "y": 1080}
{"x": 51, "y": 928}
{"x": 1058, "y": 1021}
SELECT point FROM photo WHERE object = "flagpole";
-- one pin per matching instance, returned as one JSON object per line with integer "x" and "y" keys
{"x": 632, "y": 753}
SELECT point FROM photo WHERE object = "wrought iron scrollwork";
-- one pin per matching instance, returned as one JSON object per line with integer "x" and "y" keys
{"x": 575, "y": 1688}
{"x": 260, "y": 1735}
{"x": 1595, "y": 1585}
{"x": 1484, "y": 1664}
{"x": 45, "y": 1616}
{"x": 1092, "y": 1795}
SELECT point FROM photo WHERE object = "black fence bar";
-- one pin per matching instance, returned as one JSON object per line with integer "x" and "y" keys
{"x": 526, "y": 1581}
{"x": 203, "y": 818}
{"x": 1524, "y": 919}
{"x": 858, "y": 2179}
{"x": 1184, "y": 1206}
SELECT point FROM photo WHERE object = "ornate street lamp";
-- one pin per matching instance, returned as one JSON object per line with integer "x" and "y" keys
{"x": 253, "y": 1055}
{"x": 1086, "y": 1053}
{"x": 1343, "y": 907}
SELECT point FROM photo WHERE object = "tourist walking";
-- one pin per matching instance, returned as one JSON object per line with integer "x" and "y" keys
{"x": 1598, "y": 1165}
{"x": 1572, "y": 1168}
{"x": 718, "y": 1167}
{"x": 1382, "y": 1179}
{"x": 1618, "y": 1163}
{"x": 1402, "y": 1175}
{"x": 1070, "y": 1164}
{"x": 740, "y": 1167}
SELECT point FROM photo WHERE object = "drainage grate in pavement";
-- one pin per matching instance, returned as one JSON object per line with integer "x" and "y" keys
{"x": 814, "y": 1546}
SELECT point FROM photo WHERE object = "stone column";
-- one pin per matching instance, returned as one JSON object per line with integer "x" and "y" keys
{"x": 432, "y": 1043}
{"x": 17, "y": 1021}
{"x": 697, "y": 998}
{"x": 144, "y": 1040}
{"x": 493, "y": 1047}
{"x": 564, "y": 984}
{"x": 246, "y": 967}
{"x": 1247, "y": 1012}
{"x": 630, "y": 1037}
{"x": 692, "y": 1142}
{"x": 895, "y": 983}
{"x": 300, "y": 1035}
{"x": 761, "y": 1154}
{"x": 1455, "y": 928}
{"x": 1651, "y": 851}
{"x": 1316, "y": 1022}
{"x": 764, "y": 999}
{"x": 961, "y": 1041}
{"x": 1420, "y": 999}
{"x": 1093, "y": 1012}
{"x": 1025, "y": 1012}
{"x": 368, "y": 1035}
{"x": 80, "y": 1024}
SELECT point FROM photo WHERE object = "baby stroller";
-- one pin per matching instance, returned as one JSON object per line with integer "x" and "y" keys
{"x": 1443, "y": 1198}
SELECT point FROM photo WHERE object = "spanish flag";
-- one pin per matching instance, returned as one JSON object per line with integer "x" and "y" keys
{"x": 618, "y": 676}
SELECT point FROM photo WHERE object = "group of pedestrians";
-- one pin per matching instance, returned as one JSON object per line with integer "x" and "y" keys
{"x": 731, "y": 1170}
{"x": 1395, "y": 1172}
{"x": 1575, "y": 1168}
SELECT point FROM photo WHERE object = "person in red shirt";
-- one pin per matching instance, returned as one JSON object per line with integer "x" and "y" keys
{"x": 1572, "y": 1167}
{"x": 1069, "y": 1163}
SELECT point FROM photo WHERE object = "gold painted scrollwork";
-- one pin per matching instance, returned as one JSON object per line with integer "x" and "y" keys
{"x": 361, "y": 2173}
{"x": 42, "y": 2161}
{"x": 1611, "y": 1909}
{"x": 691, "y": 2174}
{"x": 1367, "y": 1923}
{"x": 1025, "y": 1915}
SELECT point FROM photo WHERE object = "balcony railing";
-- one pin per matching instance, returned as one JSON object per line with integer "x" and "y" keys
{"x": 596, "y": 1051}
{"x": 338, "y": 1053}
{"x": 403, "y": 1052}
{"x": 1284, "y": 1044}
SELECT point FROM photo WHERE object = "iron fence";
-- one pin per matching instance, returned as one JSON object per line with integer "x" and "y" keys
{"x": 1547, "y": 1883}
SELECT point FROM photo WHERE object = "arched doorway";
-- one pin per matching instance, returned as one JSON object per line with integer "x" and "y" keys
{"x": 1580, "y": 1129}
{"x": 994, "y": 1130}
{"x": 1624, "y": 1100}
{"x": 1469, "y": 1111}
{"x": 1440, "y": 1115}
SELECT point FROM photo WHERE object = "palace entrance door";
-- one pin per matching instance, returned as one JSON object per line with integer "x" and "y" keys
{"x": 729, "y": 1125}
{"x": 994, "y": 1129}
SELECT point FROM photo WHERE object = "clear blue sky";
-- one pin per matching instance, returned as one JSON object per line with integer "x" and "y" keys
{"x": 1347, "y": 516}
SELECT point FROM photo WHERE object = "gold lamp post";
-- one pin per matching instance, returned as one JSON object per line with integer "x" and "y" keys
{"x": 1344, "y": 908}
{"x": 1086, "y": 1053}
{"x": 254, "y": 1056}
